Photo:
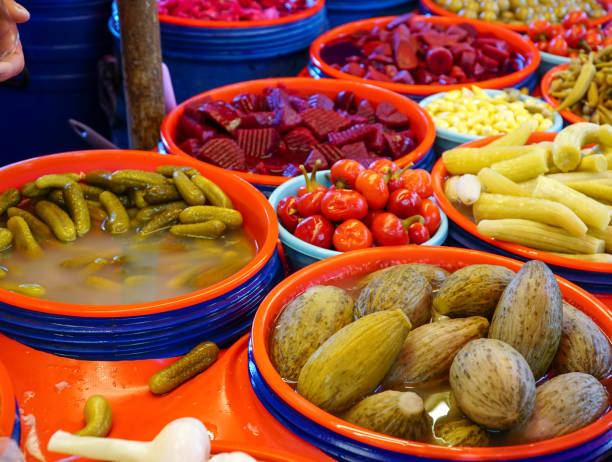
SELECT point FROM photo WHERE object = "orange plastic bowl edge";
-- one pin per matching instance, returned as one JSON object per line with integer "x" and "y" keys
{"x": 516, "y": 42}
{"x": 365, "y": 261}
{"x": 439, "y": 11}
{"x": 420, "y": 121}
{"x": 439, "y": 173}
{"x": 205, "y": 23}
{"x": 259, "y": 218}
{"x": 260, "y": 454}
{"x": 7, "y": 403}
{"x": 545, "y": 87}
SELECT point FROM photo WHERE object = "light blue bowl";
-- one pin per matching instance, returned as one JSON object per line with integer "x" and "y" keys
{"x": 449, "y": 139}
{"x": 548, "y": 61}
{"x": 299, "y": 253}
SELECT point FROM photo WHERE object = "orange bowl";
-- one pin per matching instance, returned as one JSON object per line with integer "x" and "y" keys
{"x": 9, "y": 417}
{"x": 346, "y": 441}
{"x": 314, "y": 8}
{"x": 571, "y": 268}
{"x": 517, "y": 42}
{"x": 53, "y": 326}
{"x": 568, "y": 115}
{"x": 420, "y": 121}
{"x": 438, "y": 10}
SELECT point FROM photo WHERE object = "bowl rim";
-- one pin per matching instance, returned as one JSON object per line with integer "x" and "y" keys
{"x": 549, "y": 58}
{"x": 7, "y": 403}
{"x": 170, "y": 122}
{"x": 439, "y": 11}
{"x": 529, "y": 51}
{"x": 147, "y": 160}
{"x": 306, "y": 277}
{"x": 313, "y": 251}
{"x": 450, "y": 135}
{"x": 439, "y": 172}
{"x": 312, "y": 10}
{"x": 545, "y": 86}
{"x": 261, "y": 453}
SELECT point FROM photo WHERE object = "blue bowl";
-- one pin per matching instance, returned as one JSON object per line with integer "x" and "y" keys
{"x": 158, "y": 329}
{"x": 298, "y": 252}
{"x": 548, "y": 61}
{"x": 448, "y": 139}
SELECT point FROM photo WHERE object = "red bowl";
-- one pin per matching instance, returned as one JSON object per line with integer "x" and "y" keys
{"x": 568, "y": 115}
{"x": 517, "y": 43}
{"x": 438, "y": 10}
{"x": 317, "y": 5}
{"x": 420, "y": 121}
{"x": 260, "y": 223}
{"x": 7, "y": 404}
{"x": 438, "y": 175}
{"x": 361, "y": 262}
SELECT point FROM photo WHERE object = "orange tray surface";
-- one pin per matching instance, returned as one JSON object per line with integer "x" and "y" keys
{"x": 54, "y": 390}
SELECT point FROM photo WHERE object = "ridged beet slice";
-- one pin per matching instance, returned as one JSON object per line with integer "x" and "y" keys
{"x": 360, "y": 132}
{"x": 299, "y": 142}
{"x": 360, "y": 153}
{"x": 250, "y": 102}
{"x": 291, "y": 170}
{"x": 376, "y": 140}
{"x": 330, "y": 152}
{"x": 223, "y": 152}
{"x": 320, "y": 100}
{"x": 387, "y": 114}
{"x": 314, "y": 156}
{"x": 287, "y": 118}
{"x": 222, "y": 114}
{"x": 323, "y": 121}
{"x": 258, "y": 143}
{"x": 298, "y": 103}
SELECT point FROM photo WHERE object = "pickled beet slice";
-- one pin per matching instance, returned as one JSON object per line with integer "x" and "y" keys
{"x": 459, "y": 33}
{"x": 468, "y": 61}
{"x": 405, "y": 54}
{"x": 330, "y": 152}
{"x": 439, "y": 60}
{"x": 191, "y": 146}
{"x": 373, "y": 74}
{"x": 258, "y": 143}
{"x": 189, "y": 127}
{"x": 258, "y": 120}
{"x": 323, "y": 121}
{"x": 291, "y": 170}
{"x": 299, "y": 143}
{"x": 365, "y": 109}
{"x": 403, "y": 19}
{"x": 387, "y": 114}
{"x": 398, "y": 145}
{"x": 423, "y": 76}
{"x": 354, "y": 68}
{"x": 222, "y": 114}
{"x": 403, "y": 77}
{"x": 287, "y": 118}
{"x": 376, "y": 140}
{"x": 488, "y": 63}
{"x": 360, "y": 153}
{"x": 469, "y": 28}
{"x": 249, "y": 102}
{"x": 345, "y": 100}
{"x": 353, "y": 134}
{"x": 224, "y": 153}
{"x": 320, "y": 100}
{"x": 495, "y": 53}
{"x": 298, "y": 103}
{"x": 314, "y": 156}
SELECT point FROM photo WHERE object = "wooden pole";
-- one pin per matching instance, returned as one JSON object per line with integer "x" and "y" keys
{"x": 142, "y": 72}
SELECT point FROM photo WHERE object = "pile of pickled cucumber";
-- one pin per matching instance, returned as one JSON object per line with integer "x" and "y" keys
{"x": 552, "y": 196}
{"x": 151, "y": 214}
{"x": 585, "y": 87}
{"x": 415, "y": 352}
